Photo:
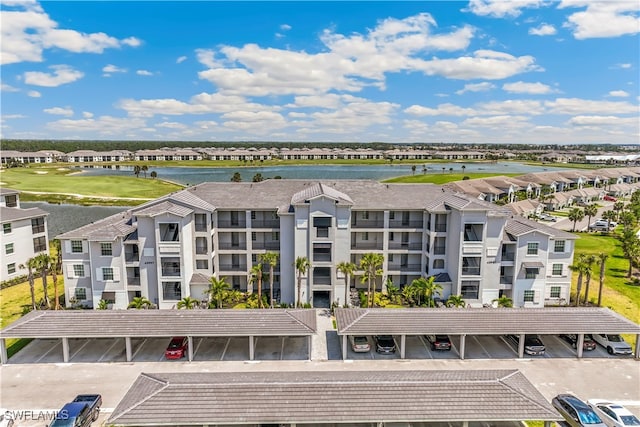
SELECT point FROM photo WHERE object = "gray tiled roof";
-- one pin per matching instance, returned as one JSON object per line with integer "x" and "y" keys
{"x": 107, "y": 228}
{"x": 519, "y": 226}
{"x": 330, "y": 397}
{"x": 482, "y": 321}
{"x": 163, "y": 207}
{"x": 15, "y": 214}
{"x": 162, "y": 323}
{"x": 8, "y": 191}
{"x": 320, "y": 189}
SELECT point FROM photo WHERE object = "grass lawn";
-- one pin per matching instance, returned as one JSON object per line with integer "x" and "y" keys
{"x": 63, "y": 181}
{"x": 438, "y": 178}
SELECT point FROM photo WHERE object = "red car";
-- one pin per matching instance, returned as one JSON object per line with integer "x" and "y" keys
{"x": 177, "y": 348}
{"x": 610, "y": 198}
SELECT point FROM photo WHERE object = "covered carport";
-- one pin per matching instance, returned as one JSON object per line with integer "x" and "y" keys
{"x": 482, "y": 321}
{"x": 356, "y": 398}
{"x": 129, "y": 324}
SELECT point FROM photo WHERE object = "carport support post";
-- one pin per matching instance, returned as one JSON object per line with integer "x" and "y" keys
{"x": 403, "y": 341}
{"x": 344, "y": 347}
{"x": 636, "y": 355}
{"x": 547, "y": 424}
{"x": 521, "y": 346}
{"x": 3, "y": 351}
{"x": 310, "y": 343}
{"x": 65, "y": 349}
{"x": 190, "y": 348}
{"x": 127, "y": 345}
{"x": 579, "y": 345}
{"x": 463, "y": 339}
{"x": 251, "y": 348}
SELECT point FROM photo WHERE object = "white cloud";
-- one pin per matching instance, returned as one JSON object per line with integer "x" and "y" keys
{"x": 572, "y": 106}
{"x": 543, "y": 30}
{"x": 501, "y": 123}
{"x": 62, "y": 74}
{"x": 171, "y": 125}
{"x": 181, "y": 59}
{"x": 206, "y": 124}
{"x": 27, "y": 31}
{"x": 285, "y": 27}
{"x": 530, "y": 88}
{"x": 476, "y": 87}
{"x": 501, "y": 8}
{"x": 110, "y": 68}
{"x": 8, "y": 88}
{"x": 619, "y": 93}
{"x": 59, "y": 111}
{"x": 34, "y": 94}
{"x": 602, "y": 121}
{"x": 13, "y": 116}
{"x": 602, "y": 19}
{"x": 625, "y": 66}
{"x": 144, "y": 73}
{"x": 87, "y": 114}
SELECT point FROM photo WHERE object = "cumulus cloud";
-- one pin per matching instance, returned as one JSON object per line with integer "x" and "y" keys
{"x": 476, "y": 87}
{"x": 543, "y": 30}
{"x": 109, "y": 69}
{"x": 181, "y": 59}
{"x": 530, "y": 88}
{"x": 171, "y": 125}
{"x": 8, "y": 88}
{"x": 62, "y": 74}
{"x": 575, "y": 106}
{"x": 59, "y": 111}
{"x": 602, "y": 19}
{"x": 619, "y": 93}
{"x": 285, "y": 27}
{"x": 501, "y": 8}
{"x": 27, "y": 31}
{"x": 87, "y": 114}
{"x": 144, "y": 73}
{"x": 34, "y": 94}
{"x": 602, "y": 121}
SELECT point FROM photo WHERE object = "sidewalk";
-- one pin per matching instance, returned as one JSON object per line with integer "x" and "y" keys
{"x": 324, "y": 326}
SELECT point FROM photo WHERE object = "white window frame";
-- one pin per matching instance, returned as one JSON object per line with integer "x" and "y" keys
{"x": 9, "y": 248}
{"x": 564, "y": 246}
{"x": 106, "y": 247}
{"x": 529, "y": 248}
{"x": 553, "y": 269}
{"x": 11, "y": 268}
{"x": 75, "y": 294}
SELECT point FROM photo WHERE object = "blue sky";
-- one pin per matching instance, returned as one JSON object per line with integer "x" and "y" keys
{"x": 527, "y": 71}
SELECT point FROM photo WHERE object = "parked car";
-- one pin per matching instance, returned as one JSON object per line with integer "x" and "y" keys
{"x": 613, "y": 414}
{"x": 601, "y": 226}
{"x": 576, "y": 412}
{"x": 614, "y": 343}
{"x": 532, "y": 344}
{"x": 360, "y": 344}
{"x": 610, "y": 198}
{"x": 439, "y": 342}
{"x": 385, "y": 344}
{"x": 546, "y": 217}
{"x": 80, "y": 412}
{"x": 587, "y": 344}
{"x": 177, "y": 348}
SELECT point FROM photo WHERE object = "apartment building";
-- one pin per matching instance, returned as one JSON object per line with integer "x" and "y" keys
{"x": 24, "y": 234}
{"x": 168, "y": 249}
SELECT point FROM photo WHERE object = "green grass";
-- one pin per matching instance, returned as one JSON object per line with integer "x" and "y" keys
{"x": 61, "y": 185}
{"x": 438, "y": 178}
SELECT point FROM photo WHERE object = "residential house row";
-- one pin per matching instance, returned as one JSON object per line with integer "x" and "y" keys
{"x": 169, "y": 248}
{"x": 23, "y": 235}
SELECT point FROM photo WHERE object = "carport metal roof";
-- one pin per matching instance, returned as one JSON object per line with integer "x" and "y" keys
{"x": 330, "y": 397}
{"x": 162, "y": 323}
{"x": 482, "y": 321}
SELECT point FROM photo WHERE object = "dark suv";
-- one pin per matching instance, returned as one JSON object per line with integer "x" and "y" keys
{"x": 385, "y": 344}
{"x": 439, "y": 342}
{"x": 588, "y": 343}
{"x": 532, "y": 344}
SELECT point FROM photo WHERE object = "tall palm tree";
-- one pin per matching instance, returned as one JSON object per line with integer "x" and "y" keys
{"x": 618, "y": 207}
{"x": 302, "y": 266}
{"x": 630, "y": 247}
{"x": 427, "y": 288}
{"x": 590, "y": 211}
{"x": 56, "y": 247}
{"x": 371, "y": 263}
{"x": 346, "y": 268}
{"x": 144, "y": 169}
{"x": 271, "y": 259}
{"x": 588, "y": 261}
{"x": 504, "y": 301}
{"x": 136, "y": 171}
{"x": 187, "y": 303}
{"x": 30, "y": 265}
{"x": 256, "y": 276}
{"x": 455, "y": 301}
{"x": 54, "y": 268}
{"x": 218, "y": 288}
{"x": 43, "y": 262}
{"x": 575, "y": 215}
{"x": 579, "y": 267}
{"x": 140, "y": 303}
{"x": 609, "y": 216}
{"x": 602, "y": 259}
{"x": 463, "y": 168}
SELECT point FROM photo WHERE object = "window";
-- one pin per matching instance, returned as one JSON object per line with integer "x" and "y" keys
{"x": 391, "y": 239}
{"x": 529, "y": 296}
{"x": 532, "y": 248}
{"x": 322, "y": 252}
{"x": 558, "y": 246}
{"x": 6, "y": 228}
{"x": 170, "y": 266}
{"x": 169, "y": 232}
{"x": 275, "y": 236}
{"x": 469, "y": 289}
{"x": 37, "y": 225}
{"x": 365, "y": 214}
{"x": 201, "y": 245}
{"x": 322, "y": 275}
{"x": 438, "y": 264}
{"x": 254, "y": 236}
{"x": 106, "y": 249}
{"x": 11, "y": 201}
{"x": 471, "y": 266}
{"x": 78, "y": 270}
{"x": 322, "y": 225}
{"x": 8, "y": 248}
{"x": 253, "y": 214}
{"x": 80, "y": 293}
{"x": 531, "y": 272}
{"x": 365, "y": 236}
{"x": 11, "y": 268}
{"x": 555, "y": 292}
{"x": 556, "y": 270}
{"x": 39, "y": 244}
{"x": 171, "y": 290}
{"x": 202, "y": 264}
{"x": 473, "y": 232}
{"x": 76, "y": 246}
{"x": 107, "y": 273}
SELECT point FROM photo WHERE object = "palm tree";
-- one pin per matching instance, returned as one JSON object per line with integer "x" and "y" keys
{"x": 188, "y": 303}
{"x": 302, "y": 266}
{"x": 609, "y": 216}
{"x": 424, "y": 169}
{"x": 588, "y": 261}
{"x": 443, "y": 169}
{"x": 504, "y": 301}
{"x": 590, "y": 211}
{"x": 154, "y": 174}
{"x": 371, "y": 263}
{"x": 346, "y": 268}
{"x": 140, "y": 303}
{"x": 56, "y": 247}
{"x": 413, "y": 169}
{"x": 427, "y": 288}
{"x": 575, "y": 215}
{"x": 270, "y": 258}
{"x": 463, "y": 168}
{"x": 144, "y": 169}
{"x": 579, "y": 267}
{"x": 258, "y": 177}
{"x": 630, "y": 247}
{"x": 455, "y": 301}
{"x": 136, "y": 171}
{"x": 31, "y": 266}
{"x": 218, "y": 288}
{"x": 54, "y": 267}
{"x": 256, "y": 276}
{"x": 618, "y": 206}
{"x": 602, "y": 259}
{"x": 43, "y": 262}
{"x": 236, "y": 177}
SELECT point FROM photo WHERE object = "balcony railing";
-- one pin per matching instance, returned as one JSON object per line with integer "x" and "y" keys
{"x": 201, "y": 250}
{"x": 322, "y": 280}
{"x": 506, "y": 280}
{"x": 506, "y": 256}
{"x": 439, "y": 250}
{"x": 440, "y": 227}
{"x": 227, "y": 246}
{"x": 367, "y": 223}
{"x": 470, "y": 271}
{"x": 232, "y": 224}
{"x": 406, "y": 245}
{"x": 265, "y": 223}
{"x": 133, "y": 281}
{"x": 233, "y": 267}
{"x": 265, "y": 245}
{"x": 405, "y": 267}
{"x": 132, "y": 257}
{"x": 405, "y": 224}
{"x": 366, "y": 245}
{"x": 170, "y": 272}
{"x": 201, "y": 226}
{"x": 322, "y": 257}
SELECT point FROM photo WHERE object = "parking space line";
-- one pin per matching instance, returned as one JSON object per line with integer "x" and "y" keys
{"x": 281, "y": 348}
{"x": 80, "y": 348}
{"x": 484, "y": 350}
{"x": 115, "y": 341}
{"x": 226, "y": 346}
{"x": 195, "y": 350}
{"x": 59, "y": 342}
{"x": 133, "y": 356}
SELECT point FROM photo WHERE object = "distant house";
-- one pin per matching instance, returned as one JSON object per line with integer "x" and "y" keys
{"x": 38, "y": 157}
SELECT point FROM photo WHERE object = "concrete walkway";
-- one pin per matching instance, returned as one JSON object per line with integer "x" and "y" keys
{"x": 324, "y": 324}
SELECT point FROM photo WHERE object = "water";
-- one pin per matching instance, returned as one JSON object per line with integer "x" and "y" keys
{"x": 196, "y": 175}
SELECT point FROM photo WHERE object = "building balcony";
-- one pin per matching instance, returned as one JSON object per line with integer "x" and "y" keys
{"x": 322, "y": 280}
{"x": 441, "y": 228}
{"x": 405, "y": 224}
{"x": 367, "y": 223}
{"x": 470, "y": 271}
{"x": 506, "y": 280}
{"x": 201, "y": 250}
{"x": 232, "y": 224}
{"x": 265, "y": 223}
{"x": 411, "y": 246}
{"x": 439, "y": 250}
{"x": 405, "y": 267}
{"x": 201, "y": 227}
{"x": 508, "y": 256}
{"x": 266, "y": 245}
{"x": 131, "y": 258}
{"x": 233, "y": 267}
{"x": 133, "y": 281}
{"x": 232, "y": 246}
{"x": 366, "y": 246}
